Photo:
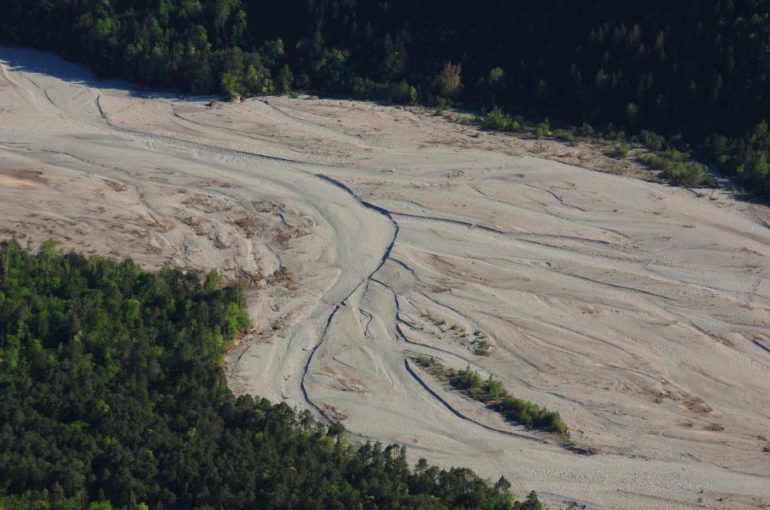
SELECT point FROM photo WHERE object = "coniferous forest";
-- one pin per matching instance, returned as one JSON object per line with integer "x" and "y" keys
{"x": 113, "y": 396}
{"x": 696, "y": 74}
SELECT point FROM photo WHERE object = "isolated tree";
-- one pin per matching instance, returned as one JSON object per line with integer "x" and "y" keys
{"x": 449, "y": 80}
{"x": 231, "y": 85}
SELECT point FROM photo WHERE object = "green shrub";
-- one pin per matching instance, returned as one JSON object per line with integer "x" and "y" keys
{"x": 426, "y": 361}
{"x": 619, "y": 151}
{"x": 564, "y": 134}
{"x": 688, "y": 174}
{"x": 586, "y": 130}
{"x": 467, "y": 379}
{"x": 494, "y": 390}
{"x": 675, "y": 167}
{"x": 531, "y": 416}
{"x": 653, "y": 161}
{"x": 497, "y": 120}
{"x": 652, "y": 141}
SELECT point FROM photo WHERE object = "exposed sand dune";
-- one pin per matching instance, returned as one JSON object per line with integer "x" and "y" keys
{"x": 371, "y": 233}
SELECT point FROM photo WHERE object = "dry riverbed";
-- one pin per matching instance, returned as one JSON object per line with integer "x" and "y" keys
{"x": 371, "y": 234}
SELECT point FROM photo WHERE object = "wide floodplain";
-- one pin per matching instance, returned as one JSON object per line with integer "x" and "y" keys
{"x": 370, "y": 234}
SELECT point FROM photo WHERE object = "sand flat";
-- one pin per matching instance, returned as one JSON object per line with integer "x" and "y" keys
{"x": 372, "y": 233}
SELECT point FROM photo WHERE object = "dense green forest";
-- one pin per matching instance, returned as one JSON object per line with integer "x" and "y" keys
{"x": 113, "y": 396}
{"x": 695, "y": 72}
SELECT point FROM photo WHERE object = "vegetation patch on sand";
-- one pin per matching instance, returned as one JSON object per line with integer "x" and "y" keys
{"x": 654, "y": 151}
{"x": 492, "y": 393}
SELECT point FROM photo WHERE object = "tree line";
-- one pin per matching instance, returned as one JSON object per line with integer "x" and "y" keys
{"x": 696, "y": 73}
{"x": 114, "y": 396}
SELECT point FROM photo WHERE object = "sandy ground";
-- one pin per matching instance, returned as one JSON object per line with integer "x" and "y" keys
{"x": 371, "y": 233}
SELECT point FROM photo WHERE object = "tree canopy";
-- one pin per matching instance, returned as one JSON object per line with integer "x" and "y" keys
{"x": 114, "y": 397}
